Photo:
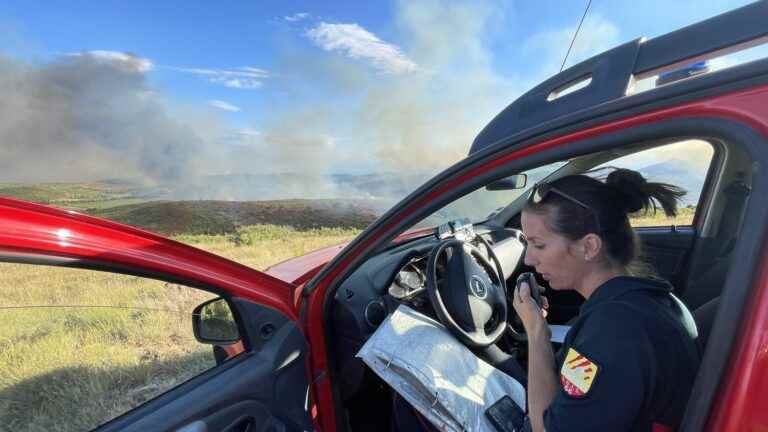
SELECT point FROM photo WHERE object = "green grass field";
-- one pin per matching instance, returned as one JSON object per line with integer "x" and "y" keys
{"x": 71, "y": 195}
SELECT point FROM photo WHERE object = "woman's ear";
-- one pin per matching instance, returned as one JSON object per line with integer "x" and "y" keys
{"x": 592, "y": 245}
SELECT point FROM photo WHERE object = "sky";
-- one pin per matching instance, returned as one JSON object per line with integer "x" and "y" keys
{"x": 175, "y": 89}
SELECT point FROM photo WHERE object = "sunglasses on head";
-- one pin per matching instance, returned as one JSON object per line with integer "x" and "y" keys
{"x": 542, "y": 190}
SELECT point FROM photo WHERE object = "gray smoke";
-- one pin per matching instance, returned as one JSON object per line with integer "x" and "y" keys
{"x": 82, "y": 118}
{"x": 423, "y": 119}
{"x": 93, "y": 116}
{"x": 362, "y": 114}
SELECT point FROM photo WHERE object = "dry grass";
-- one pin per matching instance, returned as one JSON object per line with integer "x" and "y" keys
{"x": 65, "y": 368}
{"x": 684, "y": 217}
{"x": 102, "y": 344}
{"x": 260, "y": 246}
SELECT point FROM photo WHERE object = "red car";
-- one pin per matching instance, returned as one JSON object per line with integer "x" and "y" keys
{"x": 301, "y": 323}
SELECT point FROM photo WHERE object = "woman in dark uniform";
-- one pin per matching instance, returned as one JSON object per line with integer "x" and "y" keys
{"x": 629, "y": 361}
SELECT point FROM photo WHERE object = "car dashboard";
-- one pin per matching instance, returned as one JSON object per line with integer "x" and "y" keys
{"x": 398, "y": 276}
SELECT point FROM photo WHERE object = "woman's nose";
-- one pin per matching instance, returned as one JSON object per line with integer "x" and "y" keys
{"x": 529, "y": 258}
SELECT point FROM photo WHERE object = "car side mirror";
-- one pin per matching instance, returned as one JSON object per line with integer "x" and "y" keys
{"x": 517, "y": 181}
{"x": 214, "y": 323}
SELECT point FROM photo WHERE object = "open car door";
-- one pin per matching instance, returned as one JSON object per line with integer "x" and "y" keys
{"x": 97, "y": 329}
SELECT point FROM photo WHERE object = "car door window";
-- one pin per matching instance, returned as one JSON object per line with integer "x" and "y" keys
{"x": 684, "y": 164}
{"x": 80, "y": 347}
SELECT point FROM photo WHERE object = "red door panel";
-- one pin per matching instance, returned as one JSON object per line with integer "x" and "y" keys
{"x": 32, "y": 231}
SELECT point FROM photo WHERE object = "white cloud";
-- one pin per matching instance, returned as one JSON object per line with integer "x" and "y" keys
{"x": 245, "y": 71}
{"x": 256, "y": 71}
{"x": 124, "y": 60}
{"x": 296, "y": 17}
{"x": 223, "y": 105}
{"x": 244, "y": 78}
{"x": 358, "y": 43}
{"x": 238, "y": 83}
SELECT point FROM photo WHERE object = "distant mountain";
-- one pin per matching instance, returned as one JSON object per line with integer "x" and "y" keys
{"x": 387, "y": 187}
{"x": 219, "y": 203}
{"x": 679, "y": 174}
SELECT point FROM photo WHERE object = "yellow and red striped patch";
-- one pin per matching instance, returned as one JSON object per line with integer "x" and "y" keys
{"x": 577, "y": 374}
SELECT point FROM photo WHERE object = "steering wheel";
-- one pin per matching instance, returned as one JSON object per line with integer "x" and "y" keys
{"x": 470, "y": 298}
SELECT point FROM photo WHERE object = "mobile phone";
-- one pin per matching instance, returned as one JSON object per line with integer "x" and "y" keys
{"x": 536, "y": 289}
{"x": 505, "y": 415}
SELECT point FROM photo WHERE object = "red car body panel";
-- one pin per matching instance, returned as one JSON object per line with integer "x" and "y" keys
{"x": 743, "y": 403}
{"x": 299, "y": 270}
{"x": 233, "y": 350}
{"x": 35, "y": 231}
{"x": 748, "y": 107}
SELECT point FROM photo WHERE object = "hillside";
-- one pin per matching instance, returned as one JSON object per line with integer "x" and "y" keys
{"x": 157, "y": 209}
{"x": 221, "y": 204}
{"x": 78, "y": 196}
{"x": 221, "y": 217}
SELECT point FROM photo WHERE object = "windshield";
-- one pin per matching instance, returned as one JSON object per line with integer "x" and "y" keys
{"x": 479, "y": 205}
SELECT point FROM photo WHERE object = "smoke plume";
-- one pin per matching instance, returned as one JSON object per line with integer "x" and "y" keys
{"x": 85, "y": 117}
{"x": 341, "y": 100}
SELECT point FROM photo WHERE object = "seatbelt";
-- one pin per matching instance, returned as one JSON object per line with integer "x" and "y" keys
{"x": 737, "y": 192}
{"x": 724, "y": 241}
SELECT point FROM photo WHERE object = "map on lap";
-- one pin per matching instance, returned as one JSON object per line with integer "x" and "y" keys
{"x": 439, "y": 376}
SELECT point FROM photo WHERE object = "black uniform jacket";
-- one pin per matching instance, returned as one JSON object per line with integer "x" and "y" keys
{"x": 628, "y": 361}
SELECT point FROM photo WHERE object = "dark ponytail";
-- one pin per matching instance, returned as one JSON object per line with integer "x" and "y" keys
{"x": 609, "y": 203}
{"x": 637, "y": 194}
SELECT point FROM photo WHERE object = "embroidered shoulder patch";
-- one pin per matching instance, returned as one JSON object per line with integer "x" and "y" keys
{"x": 577, "y": 374}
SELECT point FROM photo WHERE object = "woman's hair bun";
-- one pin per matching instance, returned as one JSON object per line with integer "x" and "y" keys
{"x": 631, "y": 187}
